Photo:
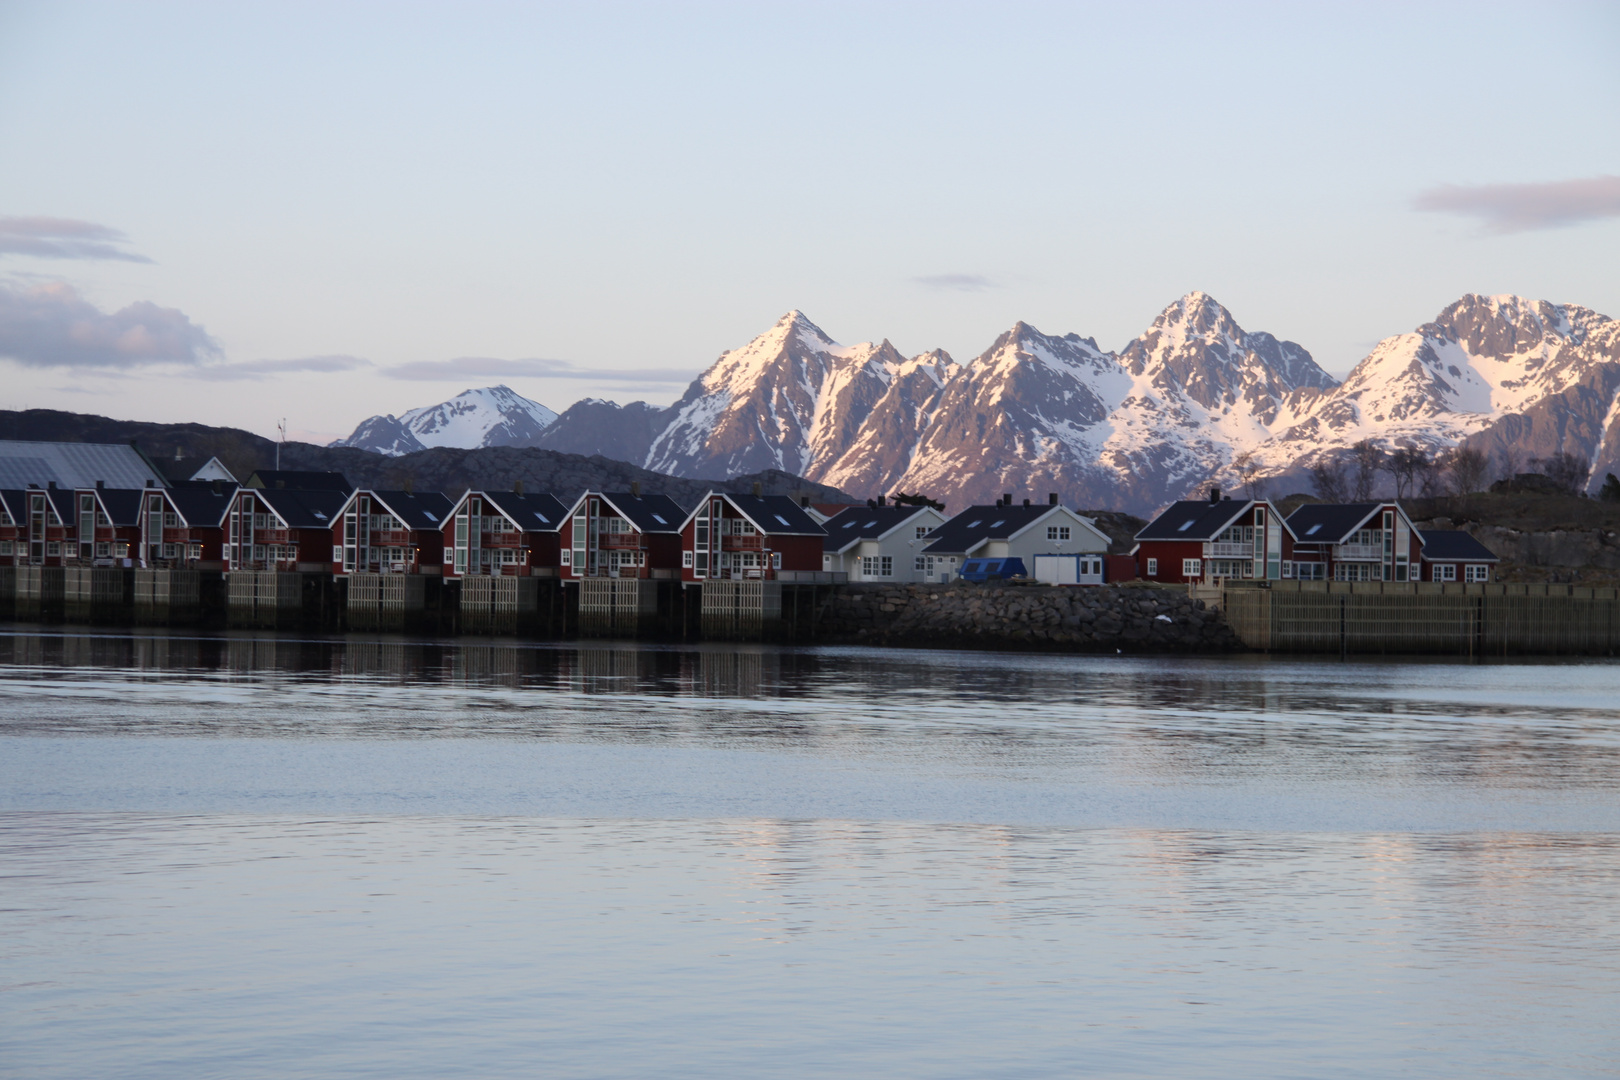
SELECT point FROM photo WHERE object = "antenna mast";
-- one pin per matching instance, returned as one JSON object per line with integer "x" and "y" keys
{"x": 281, "y": 427}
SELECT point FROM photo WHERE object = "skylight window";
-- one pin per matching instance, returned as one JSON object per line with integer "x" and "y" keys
{"x": 1312, "y": 530}
{"x": 660, "y": 519}
{"x": 1185, "y": 525}
{"x": 871, "y": 524}
{"x": 849, "y": 524}
{"x": 429, "y": 515}
{"x": 782, "y": 519}
{"x": 544, "y": 520}
{"x": 998, "y": 524}
{"x": 320, "y": 515}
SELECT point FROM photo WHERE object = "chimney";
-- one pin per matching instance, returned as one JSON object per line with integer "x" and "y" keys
{"x": 517, "y": 487}
{"x": 635, "y": 488}
{"x": 410, "y": 485}
{"x": 50, "y": 485}
{"x": 804, "y": 502}
{"x": 881, "y": 502}
{"x": 871, "y": 504}
{"x": 177, "y": 453}
{"x": 759, "y": 490}
{"x": 101, "y": 485}
{"x": 1214, "y": 494}
{"x": 1051, "y": 500}
{"x": 1006, "y": 500}
{"x": 148, "y": 483}
{"x": 1026, "y": 502}
{"x": 219, "y": 487}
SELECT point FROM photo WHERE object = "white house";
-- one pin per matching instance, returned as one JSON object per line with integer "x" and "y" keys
{"x": 1010, "y": 532}
{"x": 880, "y": 543}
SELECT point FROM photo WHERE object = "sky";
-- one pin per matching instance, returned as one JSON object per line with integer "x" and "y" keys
{"x": 239, "y": 213}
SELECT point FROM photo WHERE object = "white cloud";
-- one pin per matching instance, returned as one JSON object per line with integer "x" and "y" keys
{"x": 63, "y": 238}
{"x": 259, "y": 369}
{"x": 957, "y": 282}
{"x": 1509, "y": 208}
{"x": 484, "y": 366}
{"x": 53, "y": 326}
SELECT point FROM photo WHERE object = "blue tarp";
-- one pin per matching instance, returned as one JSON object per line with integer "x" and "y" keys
{"x": 992, "y": 569}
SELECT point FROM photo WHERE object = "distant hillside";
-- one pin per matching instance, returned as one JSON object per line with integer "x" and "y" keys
{"x": 440, "y": 469}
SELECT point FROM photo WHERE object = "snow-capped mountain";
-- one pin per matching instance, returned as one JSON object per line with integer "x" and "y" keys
{"x": 493, "y": 416}
{"x": 1035, "y": 413}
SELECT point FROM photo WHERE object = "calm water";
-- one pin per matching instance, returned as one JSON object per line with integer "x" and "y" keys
{"x": 260, "y": 857}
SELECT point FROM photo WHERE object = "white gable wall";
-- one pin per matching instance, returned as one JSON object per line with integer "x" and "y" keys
{"x": 902, "y": 547}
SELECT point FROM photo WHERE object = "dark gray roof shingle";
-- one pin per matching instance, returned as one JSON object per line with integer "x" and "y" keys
{"x": 1441, "y": 545}
{"x": 1195, "y": 520}
{"x": 856, "y": 523}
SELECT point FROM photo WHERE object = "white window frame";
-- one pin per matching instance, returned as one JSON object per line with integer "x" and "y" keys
{"x": 1192, "y": 568}
{"x": 1443, "y": 572}
{"x": 1057, "y": 532}
{"x": 1476, "y": 573}
{"x": 1153, "y": 568}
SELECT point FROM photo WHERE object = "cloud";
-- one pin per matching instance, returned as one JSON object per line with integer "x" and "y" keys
{"x": 1510, "y": 208}
{"x": 53, "y": 326}
{"x": 956, "y": 282}
{"x": 259, "y": 369}
{"x": 483, "y": 366}
{"x": 63, "y": 238}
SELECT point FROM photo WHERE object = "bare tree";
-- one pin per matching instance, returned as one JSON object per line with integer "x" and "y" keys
{"x": 1467, "y": 467}
{"x": 1509, "y": 463}
{"x": 1568, "y": 471}
{"x": 1328, "y": 479}
{"x": 1248, "y": 471}
{"x": 1367, "y": 459}
{"x": 1404, "y": 465}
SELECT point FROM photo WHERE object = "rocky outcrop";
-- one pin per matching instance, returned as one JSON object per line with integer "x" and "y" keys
{"x": 1107, "y": 619}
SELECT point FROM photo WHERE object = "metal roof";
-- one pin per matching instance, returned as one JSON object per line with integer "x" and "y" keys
{"x": 976, "y": 524}
{"x": 74, "y": 465}
{"x": 123, "y": 505}
{"x": 853, "y": 524}
{"x": 1446, "y": 545}
{"x": 1329, "y": 523}
{"x": 199, "y": 504}
{"x": 417, "y": 509}
{"x": 648, "y": 513}
{"x": 773, "y": 515}
{"x": 293, "y": 480}
{"x": 531, "y": 513}
{"x": 1195, "y": 519}
{"x": 302, "y": 509}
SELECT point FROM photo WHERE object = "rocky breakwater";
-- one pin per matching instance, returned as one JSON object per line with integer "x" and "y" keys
{"x": 1088, "y": 619}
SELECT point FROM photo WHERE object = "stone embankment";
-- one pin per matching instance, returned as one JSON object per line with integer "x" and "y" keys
{"x": 1088, "y": 619}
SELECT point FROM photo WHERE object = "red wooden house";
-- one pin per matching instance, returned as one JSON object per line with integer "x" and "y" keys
{"x": 749, "y": 537}
{"x": 1215, "y": 540}
{"x": 389, "y": 532}
{"x": 621, "y": 535}
{"x": 281, "y": 529}
{"x": 183, "y": 527}
{"x": 1372, "y": 541}
{"x": 503, "y": 533}
{"x": 13, "y": 528}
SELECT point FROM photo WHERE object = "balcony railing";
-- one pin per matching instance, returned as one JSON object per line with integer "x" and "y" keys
{"x": 1359, "y": 551}
{"x": 500, "y": 539}
{"x": 272, "y": 536}
{"x": 619, "y": 541}
{"x": 742, "y": 543}
{"x": 1226, "y": 549}
{"x": 390, "y": 537}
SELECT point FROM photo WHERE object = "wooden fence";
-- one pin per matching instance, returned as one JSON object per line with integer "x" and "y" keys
{"x": 1424, "y": 617}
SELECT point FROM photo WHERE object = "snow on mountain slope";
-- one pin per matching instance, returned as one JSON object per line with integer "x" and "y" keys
{"x": 493, "y": 416}
{"x": 1482, "y": 360}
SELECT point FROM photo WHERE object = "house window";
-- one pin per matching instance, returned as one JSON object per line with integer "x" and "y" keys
{"x": 168, "y": 551}
{"x": 568, "y": 557}
{"x": 1310, "y": 571}
{"x": 869, "y": 566}
{"x": 1444, "y": 572}
{"x": 686, "y": 558}
{"x": 1057, "y": 532}
{"x": 922, "y": 531}
{"x": 1153, "y": 568}
{"x": 53, "y": 549}
{"x": 1476, "y": 572}
{"x": 1287, "y": 569}
{"x": 449, "y": 555}
{"x": 1356, "y": 571}
{"x": 5, "y": 547}
{"x": 1192, "y": 567}
{"x": 921, "y": 563}
{"x": 776, "y": 560}
{"x": 103, "y": 550}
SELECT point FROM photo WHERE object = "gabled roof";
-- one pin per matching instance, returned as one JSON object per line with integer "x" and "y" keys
{"x": 15, "y": 503}
{"x": 292, "y": 480}
{"x": 977, "y": 524}
{"x": 853, "y": 524}
{"x": 1448, "y": 546}
{"x": 198, "y": 504}
{"x": 773, "y": 515}
{"x": 417, "y": 509}
{"x": 302, "y": 509}
{"x": 74, "y": 465}
{"x": 530, "y": 513}
{"x": 1330, "y": 523}
{"x": 122, "y": 505}
{"x": 64, "y": 502}
{"x": 1195, "y": 519}
{"x": 648, "y": 513}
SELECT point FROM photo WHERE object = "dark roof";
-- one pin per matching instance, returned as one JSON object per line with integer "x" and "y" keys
{"x": 1195, "y": 519}
{"x": 776, "y": 515}
{"x": 533, "y": 513}
{"x": 648, "y": 513}
{"x": 63, "y": 499}
{"x": 1443, "y": 546}
{"x": 856, "y": 523}
{"x": 977, "y": 524}
{"x": 123, "y": 505}
{"x": 304, "y": 509}
{"x": 15, "y": 503}
{"x": 299, "y": 481}
{"x": 74, "y": 465}
{"x": 417, "y": 509}
{"x": 1329, "y": 523}
{"x": 198, "y": 503}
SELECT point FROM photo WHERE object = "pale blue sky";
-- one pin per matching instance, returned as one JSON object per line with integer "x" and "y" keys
{"x": 630, "y": 189}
